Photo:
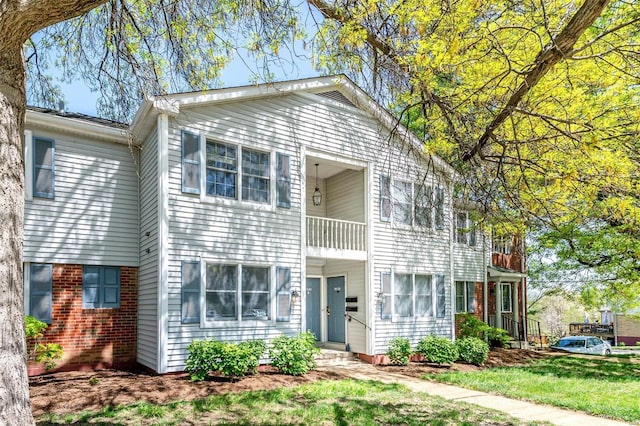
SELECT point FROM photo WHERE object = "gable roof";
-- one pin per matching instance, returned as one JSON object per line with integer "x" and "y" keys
{"x": 337, "y": 88}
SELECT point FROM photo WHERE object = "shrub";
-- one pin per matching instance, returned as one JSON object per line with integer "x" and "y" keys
{"x": 399, "y": 351}
{"x": 294, "y": 355}
{"x": 230, "y": 359}
{"x": 472, "y": 350}
{"x": 45, "y": 353}
{"x": 439, "y": 350}
{"x": 498, "y": 337}
{"x": 471, "y": 326}
{"x": 622, "y": 344}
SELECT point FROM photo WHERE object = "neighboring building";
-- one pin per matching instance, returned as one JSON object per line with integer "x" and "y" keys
{"x": 247, "y": 213}
{"x": 615, "y": 327}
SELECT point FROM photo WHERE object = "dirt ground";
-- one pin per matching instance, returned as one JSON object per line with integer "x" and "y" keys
{"x": 76, "y": 391}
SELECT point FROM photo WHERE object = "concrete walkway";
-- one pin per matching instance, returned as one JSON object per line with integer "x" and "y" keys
{"x": 522, "y": 410}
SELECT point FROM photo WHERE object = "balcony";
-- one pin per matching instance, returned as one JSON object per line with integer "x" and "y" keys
{"x": 591, "y": 329}
{"x": 335, "y": 238}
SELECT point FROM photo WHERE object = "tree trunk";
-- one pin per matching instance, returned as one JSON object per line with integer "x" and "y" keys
{"x": 14, "y": 385}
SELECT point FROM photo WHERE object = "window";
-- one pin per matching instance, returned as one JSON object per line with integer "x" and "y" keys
{"x": 43, "y": 168}
{"x": 222, "y": 169}
{"x": 283, "y": 180}
{"x": 255, "y": 292}
{"x": 465, "y": 229}
{"x": 403, "y": 298}
{"x": 506, "y": 297}
{"x": 465, "y": 296}
{"x": 409, "y": 203}
{"x": 40, "y": 291}
{"x": 241, "y": 293}
{"x": 412, "y": 295}
{"x": 191, "y": 291}
{"x": 222, "y": 289}
{"x": 190, "y": 162}
{"x": 100, "y": 287}
{"x": 502, "y": 244}
{"x": 424, "y": 299}
{"x": 255, "y": 176}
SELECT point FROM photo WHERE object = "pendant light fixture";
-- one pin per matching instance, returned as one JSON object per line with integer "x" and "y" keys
{"x": 317, "y": 195}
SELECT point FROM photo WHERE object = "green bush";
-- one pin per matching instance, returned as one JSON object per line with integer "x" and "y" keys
{"x": 230, "y": 359}
{"x": 498, "y": 337}
{"x": 45, "y": 353}
{"x": 439, "y": 350}
{"x": 622, "y": 344}
{"x": 472, "y": 350}
{"x": 470, "y": 326}
{"x": 399, "y": 351}
{"x": 294, "y": 355}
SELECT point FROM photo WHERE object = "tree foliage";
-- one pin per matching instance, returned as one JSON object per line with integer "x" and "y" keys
{"x": 535, "y": 101}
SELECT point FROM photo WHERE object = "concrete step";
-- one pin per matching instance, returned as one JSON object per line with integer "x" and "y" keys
{"x": 332, "y": 357}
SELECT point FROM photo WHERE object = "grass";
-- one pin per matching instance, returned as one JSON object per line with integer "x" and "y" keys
{"x": 345, "y": 402}
{"x": 601, "y": 386}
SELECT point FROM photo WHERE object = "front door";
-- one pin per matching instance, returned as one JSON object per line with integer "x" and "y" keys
{"x": 313, "y": 306}
{"x": 335, "y": 309}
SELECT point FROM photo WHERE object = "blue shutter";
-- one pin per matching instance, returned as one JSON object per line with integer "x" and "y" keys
{"x": 283, "y": 293}
{"x": 41, "y": 292}
{"x": 100, "y": 287}
{"x": 385, "y": 301}
{"x": 385, "y": 198}
{"x": 190, "y": 162}
{"x": 283, "y": 180}
{"x": 439, "y": 208}
{"x": 441, "y": 297}
{"x": 110, "y": 287}
{"x": 43, "y": 168}
{"x": 191, "y": 291}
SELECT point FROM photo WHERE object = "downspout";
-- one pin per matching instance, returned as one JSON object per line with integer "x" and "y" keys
{"x": 452, "y": 283}
{"x": 485, "y": 280}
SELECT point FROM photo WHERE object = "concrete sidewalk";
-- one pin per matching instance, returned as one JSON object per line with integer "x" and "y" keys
{"x": 522, "y": 410}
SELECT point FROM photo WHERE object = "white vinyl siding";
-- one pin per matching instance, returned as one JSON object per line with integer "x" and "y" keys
{"x": 147, "y": 333}
{"x": 93, "y": 219}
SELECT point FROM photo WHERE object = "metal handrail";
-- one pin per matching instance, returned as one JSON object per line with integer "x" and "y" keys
{"x": 349, "y": 317}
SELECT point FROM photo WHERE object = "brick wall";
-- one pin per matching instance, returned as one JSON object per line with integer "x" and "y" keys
{"x": 91, "y": 338}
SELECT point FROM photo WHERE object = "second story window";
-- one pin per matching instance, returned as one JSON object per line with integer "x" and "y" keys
{"x": 222, "y": 169}
{"x": 235, "y": 172}
{"x": 465, "y": 232}
{"x": 410, "y": 203}
{"x": 255, "y": 176}
{"x": 502, "y": 244}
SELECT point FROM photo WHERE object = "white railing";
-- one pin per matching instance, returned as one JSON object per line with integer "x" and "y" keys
{"x": 336, "y": 234}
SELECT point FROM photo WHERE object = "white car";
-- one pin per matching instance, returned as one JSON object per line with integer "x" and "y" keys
{"x": 584, "y": 345}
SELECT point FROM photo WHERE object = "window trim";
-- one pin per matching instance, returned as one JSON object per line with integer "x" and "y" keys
{"x": 391, "y": 297}
{"x": 416, "y": 205}
{"x": 465, "y": 294}
{"x": 237, "y": 201}
{"x": 502, "y": 299}
{"x": 238, "y": 321}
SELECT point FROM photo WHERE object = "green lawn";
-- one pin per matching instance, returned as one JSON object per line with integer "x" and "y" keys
{"x": 345, "y": 402}
{"x": 602, "y": 386}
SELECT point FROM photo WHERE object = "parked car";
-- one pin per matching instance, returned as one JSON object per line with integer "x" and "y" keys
{"x": 584, "y": 345}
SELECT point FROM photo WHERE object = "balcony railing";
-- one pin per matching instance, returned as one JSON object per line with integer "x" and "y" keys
{"x": 590, "y": 329}
{"x": 336, "y": 234}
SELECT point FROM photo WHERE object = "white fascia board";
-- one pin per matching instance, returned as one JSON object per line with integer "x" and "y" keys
{"x": 77, "y": 126}
{"x": 256, "y": 91}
